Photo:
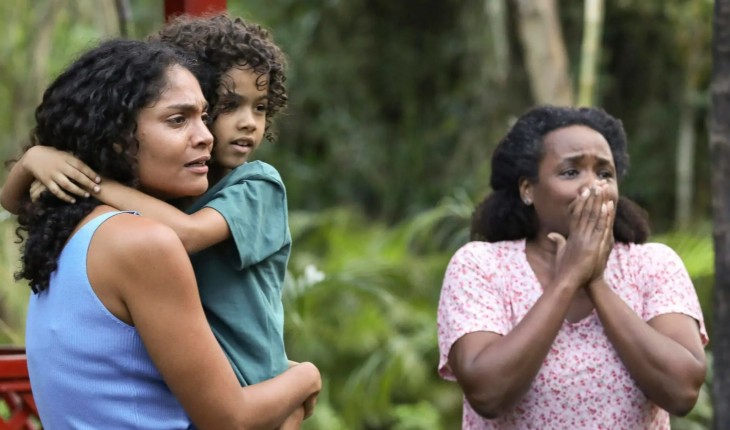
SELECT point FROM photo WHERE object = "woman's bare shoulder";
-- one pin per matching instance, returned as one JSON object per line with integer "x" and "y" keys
{"x": 132, "y": 238}
{"x": 134, "y": 261}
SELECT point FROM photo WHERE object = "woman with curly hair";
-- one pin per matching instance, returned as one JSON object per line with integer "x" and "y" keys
{"x": 558, "y": 315}
{"x": 116, "y": 335}
{"x": 237, "y": 232}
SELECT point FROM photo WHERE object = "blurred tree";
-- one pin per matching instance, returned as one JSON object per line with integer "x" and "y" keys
{"x": 20, "y": 92}
{"x": 124, "y": 14}
{"x": 546, "y": 58}
{"x": 497, "y": 15}
{"x": 590, "y": 51}
{"x": 720, "y": 146}
{"x": 41, "y": 37}
{"x": 692, "y": 17}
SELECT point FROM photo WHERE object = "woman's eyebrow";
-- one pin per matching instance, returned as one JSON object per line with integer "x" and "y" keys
{"x": 188, "y": 107}
{"x": 580, "y": 157}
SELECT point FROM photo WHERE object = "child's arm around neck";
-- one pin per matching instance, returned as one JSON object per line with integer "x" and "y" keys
{"x": 197, "y": 231}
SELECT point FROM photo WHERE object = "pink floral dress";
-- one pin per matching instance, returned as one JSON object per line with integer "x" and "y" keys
{"x": 582, "y": 383}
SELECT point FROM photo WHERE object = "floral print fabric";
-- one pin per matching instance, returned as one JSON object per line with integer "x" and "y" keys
{"x": 582, "y": 383}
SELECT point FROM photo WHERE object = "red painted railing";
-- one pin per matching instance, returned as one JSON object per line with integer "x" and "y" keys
{"x": 15, "y": 391}
{"x": 193, "y": 7}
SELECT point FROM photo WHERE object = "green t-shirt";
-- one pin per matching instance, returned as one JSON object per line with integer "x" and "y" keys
{"x": 240, "y": 279}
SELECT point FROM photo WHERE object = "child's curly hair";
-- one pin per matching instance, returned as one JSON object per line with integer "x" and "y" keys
{"x": 220, "y": 42}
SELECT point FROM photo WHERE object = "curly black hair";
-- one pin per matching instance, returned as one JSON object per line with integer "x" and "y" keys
{"x": 91, "y": 111}
{"x": 219, "y": 43}
{"x": 503, "y": 216}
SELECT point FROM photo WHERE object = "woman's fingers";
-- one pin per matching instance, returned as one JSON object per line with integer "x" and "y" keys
{"x": 591, "y": 234}
{"x": 596, "y": 212}
{"x": 593, "y": 218}
{"x": 574, "y": 209}
{"x": 612, "y": 214}
{"x": 309, "y": 405}
{"x": 602, "y": 221}
{"x": 579, "y": 211}
{"x": 607, "y": 238}
{"x": 606, "y": 244}
{"x": 590, "y": 212}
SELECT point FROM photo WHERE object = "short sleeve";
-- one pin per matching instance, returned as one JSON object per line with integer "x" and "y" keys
{"x": 667, "y": 287}
{"x": 471, "y": 300}
{"x": 256, "y": 213}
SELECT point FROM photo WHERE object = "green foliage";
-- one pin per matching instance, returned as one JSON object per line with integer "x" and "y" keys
{"x": 13, "y": 295}
{"x": 40, "y": 39}
{"x": 394, "y": 105}
{"x": 695, "y": 248}
{"x": 361, "y": 304}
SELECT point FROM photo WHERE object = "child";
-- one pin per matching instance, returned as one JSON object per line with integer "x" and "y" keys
{"x": 237, "y": 233}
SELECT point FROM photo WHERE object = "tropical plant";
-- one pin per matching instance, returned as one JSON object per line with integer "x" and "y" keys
{"x": 361, "y": 303}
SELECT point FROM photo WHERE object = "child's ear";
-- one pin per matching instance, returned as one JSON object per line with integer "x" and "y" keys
{"x": 117, "y": 148}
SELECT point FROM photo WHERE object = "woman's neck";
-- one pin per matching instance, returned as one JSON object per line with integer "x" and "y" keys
{"x": 542, "y": 247}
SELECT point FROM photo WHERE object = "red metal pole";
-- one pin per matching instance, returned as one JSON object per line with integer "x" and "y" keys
{"x": 193, "y": 7}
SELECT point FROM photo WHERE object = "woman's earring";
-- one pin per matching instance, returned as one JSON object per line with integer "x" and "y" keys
{"x": 527, "y": 201}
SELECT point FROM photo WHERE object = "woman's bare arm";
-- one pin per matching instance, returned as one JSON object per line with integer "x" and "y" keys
{"x": 145, "y": 277}
{"x": 495, "y": 371}
{"x": 664, "y": 356}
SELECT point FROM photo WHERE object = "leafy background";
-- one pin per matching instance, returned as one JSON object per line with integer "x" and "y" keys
{"x": 395, "y": 109}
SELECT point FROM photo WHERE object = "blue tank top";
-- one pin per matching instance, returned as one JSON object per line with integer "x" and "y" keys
{"x": 88, "y": 369}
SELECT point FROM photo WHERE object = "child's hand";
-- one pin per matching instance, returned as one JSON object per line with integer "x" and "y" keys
{"x": 36, "y": 189}
{"x": 60, "y": 173}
